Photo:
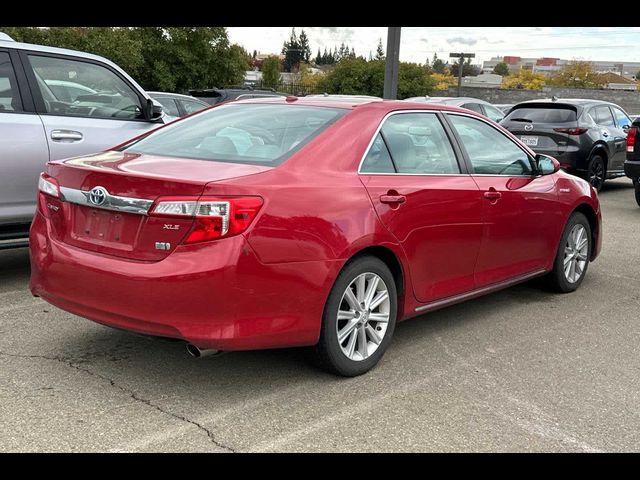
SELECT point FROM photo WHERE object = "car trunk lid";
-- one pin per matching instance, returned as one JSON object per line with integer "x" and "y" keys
{"x": 106, "y": 199}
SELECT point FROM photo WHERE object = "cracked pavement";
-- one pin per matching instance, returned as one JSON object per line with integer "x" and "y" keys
{"x": 519, "y": 370}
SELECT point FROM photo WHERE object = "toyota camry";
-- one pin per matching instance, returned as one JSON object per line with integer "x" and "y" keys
{"x": 317, "y": 222}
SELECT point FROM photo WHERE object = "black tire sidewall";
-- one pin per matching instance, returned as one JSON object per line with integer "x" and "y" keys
{"x": 328, "y": 336}
{"x": 636, "y": 184}
{"x": 560, "y": 280}
{"x": 596, "y": 157}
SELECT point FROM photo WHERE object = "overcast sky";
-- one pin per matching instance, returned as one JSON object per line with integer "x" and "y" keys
{"x": 419, "y": 43}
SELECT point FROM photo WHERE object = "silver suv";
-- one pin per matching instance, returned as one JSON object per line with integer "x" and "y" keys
{"x": 57, "y": 103}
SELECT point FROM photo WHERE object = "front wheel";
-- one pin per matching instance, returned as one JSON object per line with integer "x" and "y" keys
{"x": 636, "y": 184}
{"x": 359, "y": 318}
{"x": 574, "y": 252}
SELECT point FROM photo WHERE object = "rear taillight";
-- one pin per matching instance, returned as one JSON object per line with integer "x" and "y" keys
{"x": 571, "y": 131}
{"x": 48, "y": 185}
{"x": 631, "y": 138}
{"x": 214, "y": 217}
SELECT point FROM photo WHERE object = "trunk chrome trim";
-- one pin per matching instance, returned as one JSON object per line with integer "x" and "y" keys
{"x": 138, "y": 206}
{"x": 445, "y": 302}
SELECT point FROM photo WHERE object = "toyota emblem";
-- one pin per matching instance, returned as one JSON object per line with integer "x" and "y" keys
{"x": 528, "y": 127}
{"x": 98, "y": 195}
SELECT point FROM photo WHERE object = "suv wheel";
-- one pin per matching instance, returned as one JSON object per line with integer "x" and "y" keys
{"x": 596, "y": 172}
{"x": 636, "y": 184}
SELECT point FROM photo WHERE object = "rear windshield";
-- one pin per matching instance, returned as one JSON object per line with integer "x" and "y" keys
{"x": 257, "y": 134}
{"x": 542, "y": 115}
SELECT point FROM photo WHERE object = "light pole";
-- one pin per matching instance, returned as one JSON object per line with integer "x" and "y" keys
{"x": 392, "y": 63}
{"x": 461, "y": 56}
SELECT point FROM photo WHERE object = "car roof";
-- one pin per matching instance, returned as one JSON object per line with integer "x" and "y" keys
{"x": 570, "y": 101}
{"x": 385, "y": 106}
{"x": 447, "y": 100}
{"x": 179, "y": 95}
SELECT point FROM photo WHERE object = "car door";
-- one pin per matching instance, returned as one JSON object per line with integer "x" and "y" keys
{"x": 428, "y": 202}
{"x": 23, "y": 146}
{"x": 92, "y": 122}
{"x": 623, "y": 123}
{"x": 519, "y": 209}
{"x": 614, "y": 137}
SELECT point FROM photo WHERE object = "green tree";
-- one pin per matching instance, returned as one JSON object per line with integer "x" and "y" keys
{"x": 292, "y": 52}
{"x": 437, "y": 65}
{"x": 379, "y": 50}
{"x": 467, "y": 69}
{"x": 501, "y": 69}
{"x": 271, "y": 71}
{"x": 304, "y": 47}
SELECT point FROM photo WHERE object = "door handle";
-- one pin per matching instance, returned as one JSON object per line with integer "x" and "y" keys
{"x": 605, "y": 134}
{"x": 392, "y": 199}
{"x": 66, "y": 136}
{"x": 492, "y": 195}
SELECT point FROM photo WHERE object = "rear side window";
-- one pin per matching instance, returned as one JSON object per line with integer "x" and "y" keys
{"x": 9, "y": 96}
{"x": 493, "y": 113}
{"x": 378, "y": 159}
{"x": 542, "y": 115}
{"x": 168, "y": 106}
{"x": 475, "y": 107}
{"x": 190, "y": 106}
{"x": 602, "y": 116}
{"x": 258, "y": 134}
{"x": 419, "y": 144}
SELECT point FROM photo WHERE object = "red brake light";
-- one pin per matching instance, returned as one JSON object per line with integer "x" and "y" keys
{"x": 631, "y": 138}
{"x": 571, "y": 131}
{"x": 214, "y": 217}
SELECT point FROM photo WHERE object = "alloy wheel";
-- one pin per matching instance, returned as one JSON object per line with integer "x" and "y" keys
{"x": 596, "y": 174}
{"x": 575, "y": 253}
{"x": 363, "y": 316}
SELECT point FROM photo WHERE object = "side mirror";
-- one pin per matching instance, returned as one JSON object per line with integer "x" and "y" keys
{"x": 153, "y": 110}
{"x": 546, "y": 165}
{"x": 626, "y": 127}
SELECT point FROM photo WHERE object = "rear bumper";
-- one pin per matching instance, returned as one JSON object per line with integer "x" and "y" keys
{"x": 632, "y": 168}
{"x": 214, "y": 295}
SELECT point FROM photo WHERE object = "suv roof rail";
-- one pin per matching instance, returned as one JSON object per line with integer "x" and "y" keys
{"x": 5, "y": 37}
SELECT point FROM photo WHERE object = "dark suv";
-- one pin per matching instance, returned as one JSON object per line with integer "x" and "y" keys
{"x": 632, "y": 163}
{"x": 587, "y": 137}
{"x": 217, "y": 95}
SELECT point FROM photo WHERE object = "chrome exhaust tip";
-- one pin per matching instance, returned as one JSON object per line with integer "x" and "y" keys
{"x": 196, "y": 352}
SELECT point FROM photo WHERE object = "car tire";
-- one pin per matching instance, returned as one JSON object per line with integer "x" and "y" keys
{"x": 596, "y": 171}
{"x": 571, "y": 262}
{"x": 367, "y": 339}
{"x": 636, "y": 184}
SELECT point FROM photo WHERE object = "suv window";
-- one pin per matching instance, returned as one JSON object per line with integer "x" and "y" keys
{"x": 622, "y": 120}
{"x": 543, "y": 114}
{"x": 602, "y": 116}
{"x": 105, "y": 94}
{"x": 474, "y": 107}
{"x": 418, "y": 143}
{"x": 9, "y": 96}
{"x": 490, "y": 152}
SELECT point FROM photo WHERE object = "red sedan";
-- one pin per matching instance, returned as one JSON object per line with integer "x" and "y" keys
{"x": 289, "y": 222}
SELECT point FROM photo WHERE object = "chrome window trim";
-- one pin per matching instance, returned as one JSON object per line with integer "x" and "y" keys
{"x": 115, "y": 203}
{"x": 375, "y": 134}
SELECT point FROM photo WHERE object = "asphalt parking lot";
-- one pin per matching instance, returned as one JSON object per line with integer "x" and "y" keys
{"x": 519, "y": 370}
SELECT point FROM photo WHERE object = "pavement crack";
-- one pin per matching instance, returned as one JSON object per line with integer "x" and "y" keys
{"x": 133, "y": 395}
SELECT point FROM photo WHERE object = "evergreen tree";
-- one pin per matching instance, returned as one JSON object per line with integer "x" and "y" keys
{"x": 304, "y": 47}
{"x": 318, "y": 58}
{"x": 292, "y": 52}
{"x": 379, "y": 50}
{"x": 437, "y": 65}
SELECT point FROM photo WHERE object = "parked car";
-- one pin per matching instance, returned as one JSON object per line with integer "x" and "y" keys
{"x": 57, "y": 103}
{"x": 587, "y": 137}
{"x": 178, "y": 105}
{"x": 217, "y": 95}
{"x": 289, "y": 222}
{"x": 632, "y": 162}
{"x": 475, "y": 104}
{"x": 505, "y": 107}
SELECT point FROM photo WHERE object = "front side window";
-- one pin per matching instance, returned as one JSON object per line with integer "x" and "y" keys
{"x": 602, "y": 116}
{"x": 418, "y": 143}
{"x": 490, "y": 152}
{"x": 259, "y": 134}
{"x": 621, "y": 118}
{"x": 82, "y": 89}
{"x": 9, "y": 96}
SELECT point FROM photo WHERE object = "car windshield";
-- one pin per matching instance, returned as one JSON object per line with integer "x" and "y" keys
{"x": 542, "y": 114}
{"x": 259, "y": 134}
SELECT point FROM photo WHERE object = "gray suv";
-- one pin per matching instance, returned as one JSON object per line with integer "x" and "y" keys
{"x": 57, "y": 103}
{"x": 587, "y": 137}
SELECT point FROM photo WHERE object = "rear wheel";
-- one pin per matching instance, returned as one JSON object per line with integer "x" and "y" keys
{"x": 359, "y": 318}
{"x": 596, "y": 172}
{"x": 572, "y": 259}
{"x": 636, "y": 184}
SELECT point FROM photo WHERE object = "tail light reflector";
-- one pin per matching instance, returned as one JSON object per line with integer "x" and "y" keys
{"x": 214, "y": 217}
{"x": 631, "y": 138}
{"x": 571, "y": 131}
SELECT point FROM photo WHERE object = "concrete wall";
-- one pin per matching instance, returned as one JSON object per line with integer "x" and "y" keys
{"x": 629, "y": 101}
